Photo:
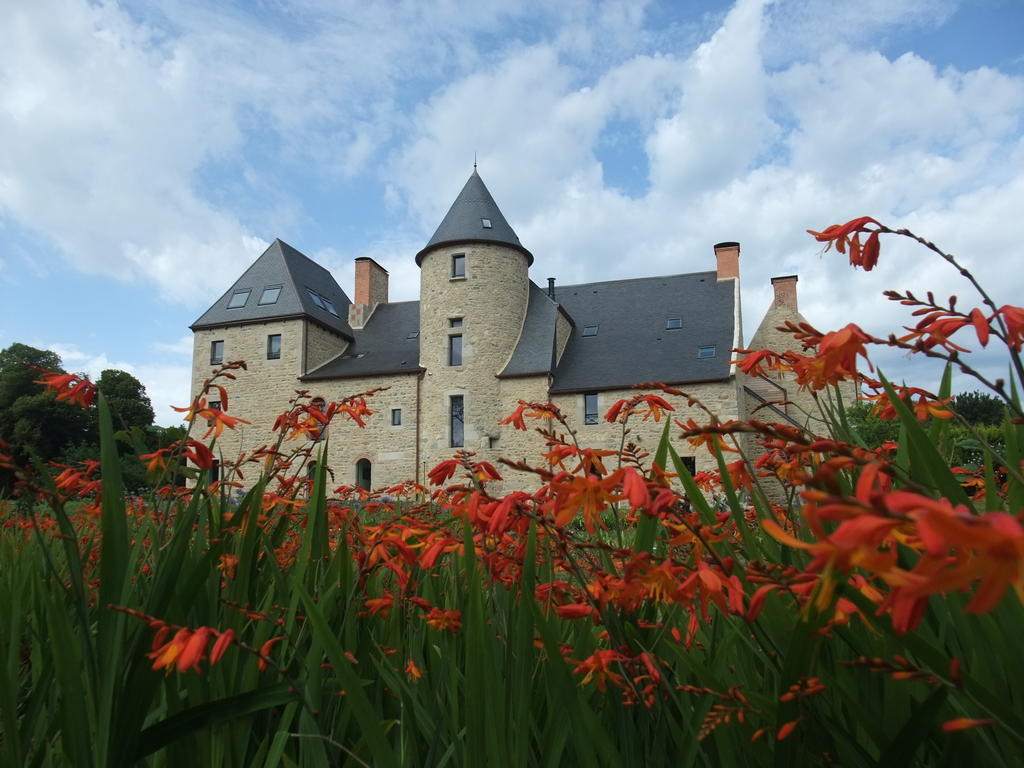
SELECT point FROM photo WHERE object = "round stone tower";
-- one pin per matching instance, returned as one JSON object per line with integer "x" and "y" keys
{"x": 474, "y": 289}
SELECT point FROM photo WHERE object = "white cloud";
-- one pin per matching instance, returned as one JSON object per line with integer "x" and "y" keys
{"x": 166, "y": 384}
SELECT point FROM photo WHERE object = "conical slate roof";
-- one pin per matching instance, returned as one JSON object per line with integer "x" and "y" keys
{"x": 297, "y": 279}
{"x": 467, "y": 219}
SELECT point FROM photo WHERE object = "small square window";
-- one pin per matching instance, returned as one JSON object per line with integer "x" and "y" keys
{"x": 454, "y": 350}
{"x": 459, "y": 265}
{"x": 707, "y": 351}
{"x": 396, "y": 417}
{"x": 413, "y": 335}
{"x": 673, "y": 323}
{"x": 486, "y": 223}
{"x": 590, "y": 330}
{"x": 455, "y": 322}
{"x": 274, "y": 346}
{"x": 239, "y": 299}
{"x": 590, "y": 408}
{"x": 690, "y": 463}
{"x": 316, "y": 298}
{"x": 270, "y": 295}
{"x": 216, "y": 352}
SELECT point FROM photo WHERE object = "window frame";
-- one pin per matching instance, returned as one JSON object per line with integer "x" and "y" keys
{"x": 590, "y": 418}
{"x": 460, "y": 419}
{"x": 669, "y": 323}
{"x": 455, "y": 322}
{"x": 262, "y": 303}
{"x": 270, "y": 346}
{"x": 486, "y": 223}
{"x": 701, "y": 350}
{"x": 586, "y": 333}
{"x": 454, "y": 347}
{"x": 216, "y": 359}
{"x": 396, "y": 417}
{"x": 247, "y": 292}
{"x": 458, "y": 260}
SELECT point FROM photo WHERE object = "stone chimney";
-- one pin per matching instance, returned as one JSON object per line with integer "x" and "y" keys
{"x": 785, "y": 292}
{"x": 728, "y": 257}
{"x": 371, "y": 289}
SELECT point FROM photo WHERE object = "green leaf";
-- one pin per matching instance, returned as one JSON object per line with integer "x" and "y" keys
{"x": 212, "y": 713}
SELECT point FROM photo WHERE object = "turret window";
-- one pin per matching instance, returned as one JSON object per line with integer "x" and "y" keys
{"x": 457, "y": 426}
{"x": 459, "y": 265}
{"x": 455, "y": 350}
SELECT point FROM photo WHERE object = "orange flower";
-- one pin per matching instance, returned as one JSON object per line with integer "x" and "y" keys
{"x": 963, "y": 723}
{"x": 449, "y": 621}
{"x": 865, "y": 255}
{"x": 76, "y": 389}
{"x": 414, "y": 672}
{"x": 1014, "y": 319}
{"x": 265, "y": 650}
{"x": 597, "y": 667}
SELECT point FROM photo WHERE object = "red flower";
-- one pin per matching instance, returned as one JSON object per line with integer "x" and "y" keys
{"x": 865, "y": 255}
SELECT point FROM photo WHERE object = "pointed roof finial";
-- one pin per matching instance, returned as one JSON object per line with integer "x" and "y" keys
{"x": 474, "y": 161}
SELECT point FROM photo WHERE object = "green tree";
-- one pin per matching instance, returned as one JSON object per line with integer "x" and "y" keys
{"x": 979, "y": 408}
{"x": 32, "y": 421}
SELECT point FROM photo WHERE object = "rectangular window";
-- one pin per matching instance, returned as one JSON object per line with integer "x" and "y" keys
{"x": 590, "y": 408}
{"x": 270, "y": 294}
{"x": 238, "y": 299}
{"x": 213, "y": 406}
{"x": 673, "y": 322}
{"x": 590, "y": 330}
{"x": 457, "y": 422}
{"x": 705, "y": 352}
{"x": 274, "y": 346}
{"x": 316, "y": 298}
{"x": 216, "y": 352}
{"x": 329, "y": 306}
{"x": 455, "y": 322}
{"x": 396, "y": 417}
{"x": 459, "y": 265}
{"x": 454, "y": 350}
{"x": 690, "y": 463}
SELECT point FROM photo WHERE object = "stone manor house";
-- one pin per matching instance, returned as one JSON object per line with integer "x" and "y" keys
{"x": 482, "y": 337}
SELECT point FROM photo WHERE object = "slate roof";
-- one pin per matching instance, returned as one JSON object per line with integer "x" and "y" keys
{"x": 296, "y": 274}
{"x": 464, "y": 221}
{"x": 381, "y": 347}
{"x": 535, "y": 352}
{"x": 632, "y": 345}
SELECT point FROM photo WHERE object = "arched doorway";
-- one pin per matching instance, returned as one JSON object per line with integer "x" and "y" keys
{"x": 363, "y": 474}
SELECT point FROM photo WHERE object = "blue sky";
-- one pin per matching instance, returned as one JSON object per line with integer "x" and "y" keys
{"x": 152, "y": 150}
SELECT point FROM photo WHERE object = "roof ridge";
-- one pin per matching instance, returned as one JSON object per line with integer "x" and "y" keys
{"x": 635, "y": 279}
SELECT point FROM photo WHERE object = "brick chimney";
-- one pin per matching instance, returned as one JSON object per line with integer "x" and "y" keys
{"x": 371, "y": 290}
{"x": 371, "y": 282}
{"x": 785, "y": 292}
{"x": 728, "y": 257}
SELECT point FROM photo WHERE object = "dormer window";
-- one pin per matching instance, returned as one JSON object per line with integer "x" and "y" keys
{"x": 486, "y": 223}
{"x": 590, "y": 330}
{"x": 673, "y": 323}
{"x": 316, "y": 298}
{"x": 239, "y": 299}
{"x": 459, "y": 265}
{"x": 270, "y": 294}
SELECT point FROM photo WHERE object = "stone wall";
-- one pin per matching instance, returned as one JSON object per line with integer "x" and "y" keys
{"x": 563, "y": 330}
{"x": 322, "y": 345}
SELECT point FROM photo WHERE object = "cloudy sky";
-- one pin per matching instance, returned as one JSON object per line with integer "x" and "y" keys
{"x": 151, "y": 150}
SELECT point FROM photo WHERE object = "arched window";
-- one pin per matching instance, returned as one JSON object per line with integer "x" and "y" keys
{"x": 363, "y": 474}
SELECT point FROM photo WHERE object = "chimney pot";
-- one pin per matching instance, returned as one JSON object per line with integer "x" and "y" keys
{"x": 785, "y": 292}
{"x": 727, "y": 255}
{"x": 551, "y": 287}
